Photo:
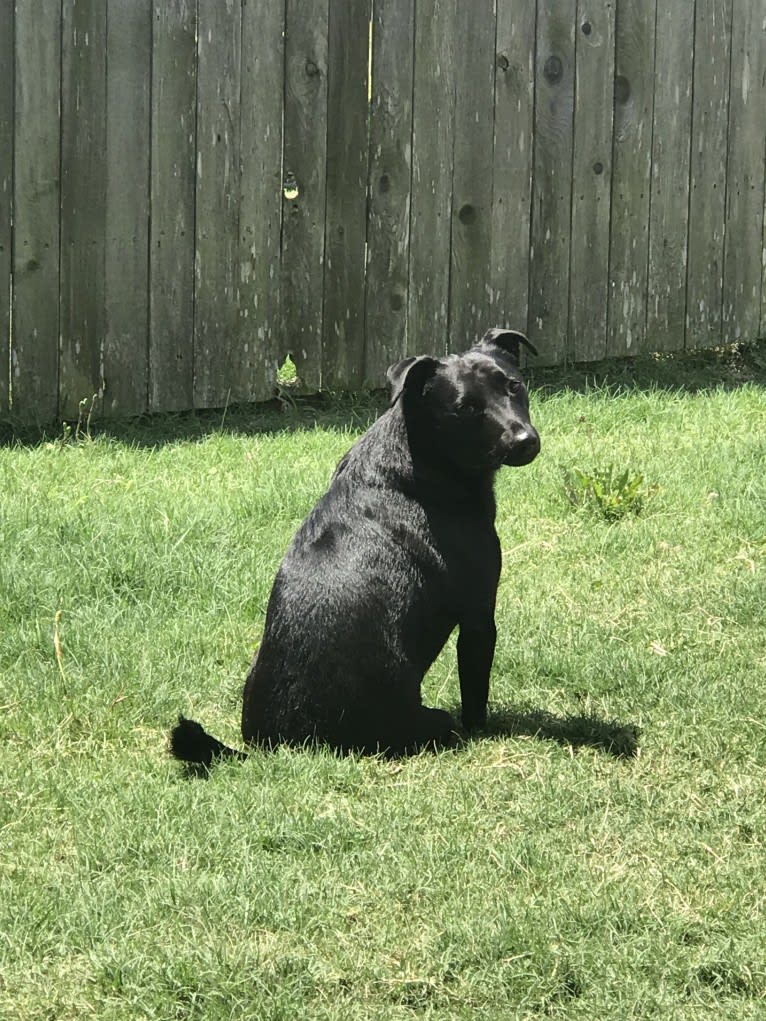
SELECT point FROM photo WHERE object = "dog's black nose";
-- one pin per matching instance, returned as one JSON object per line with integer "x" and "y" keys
{"x": 524, "y": 447}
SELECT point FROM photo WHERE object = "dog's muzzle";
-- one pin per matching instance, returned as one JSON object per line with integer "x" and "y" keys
{"x": 522, "y": 448}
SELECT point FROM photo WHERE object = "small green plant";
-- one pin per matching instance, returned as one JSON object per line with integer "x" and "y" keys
{"x": 84, "y": 416}
{"x": 287, "y": 384}
{"x": 609, "y": 491}
{"x": 287, "y": 373}
{"x": 80, "y": 431}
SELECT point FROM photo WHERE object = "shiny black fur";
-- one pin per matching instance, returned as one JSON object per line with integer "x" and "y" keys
{"x": 399, "y": 551}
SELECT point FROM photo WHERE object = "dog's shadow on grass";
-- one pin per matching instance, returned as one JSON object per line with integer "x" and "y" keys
{"x": 576, "y": 731}
{"x": 573, "y": 731}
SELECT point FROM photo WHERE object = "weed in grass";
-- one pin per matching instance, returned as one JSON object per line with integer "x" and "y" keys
{"x": 608, "y": 491}
{"x": 81, "y": 431}
{"x": 611, "y": 492}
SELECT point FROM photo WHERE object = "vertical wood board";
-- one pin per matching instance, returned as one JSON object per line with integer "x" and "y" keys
{"x": 36, "y": 204}
{"x": 743, "y": 256}
{"x": 221, "y": 368}
{"x": 260, "y": 324}
{"x": 631, "y": 178}
{"x": 512, "y": 166}
{"x": 552, "y": 184}
{"x": 171, "y": 260}
{"x": 471, "y": 273}
{"x": 83, "y": 202}
{"x": 433, "y": 127}
{"x": 669, "y": 202}
{"x": 707, "y": 196}
{"x": 304, "y": 186}
{"x": 591, "y": 179}
{"x": 388, "y": 229}
{"x": 128, "y": 146}
{"x": 346, "y": 209}
{"x": 6, "y": 194}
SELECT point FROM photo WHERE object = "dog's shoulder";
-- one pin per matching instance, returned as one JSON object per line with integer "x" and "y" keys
{"x": 380, "y": 457}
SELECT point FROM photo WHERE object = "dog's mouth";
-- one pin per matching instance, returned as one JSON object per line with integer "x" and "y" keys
{"x": 517, "y": 459}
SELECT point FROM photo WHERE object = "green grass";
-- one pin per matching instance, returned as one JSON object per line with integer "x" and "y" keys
{"x": 529, "y": 873}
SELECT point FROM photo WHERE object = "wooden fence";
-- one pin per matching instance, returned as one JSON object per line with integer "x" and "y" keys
{"x": 192, "y": 189}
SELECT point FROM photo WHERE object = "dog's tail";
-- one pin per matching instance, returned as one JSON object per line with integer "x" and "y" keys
{"x": 189, "y": 742}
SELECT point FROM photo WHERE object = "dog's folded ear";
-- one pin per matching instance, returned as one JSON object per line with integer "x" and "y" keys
{"x": 410, "y": 374}
{"x": 510, "y": 341}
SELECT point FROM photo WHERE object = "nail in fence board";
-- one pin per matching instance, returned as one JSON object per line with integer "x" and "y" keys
{"x": 221, "y": 368}
{"x": 631, "y": 178}
{"x": 83, "y": 201}
{"x": 591, "y": 179}
{"x": 707, "y": 195}
{"x": 173, "y": 177}
{"x": 512, "y": 169}
{"x": 128, "y": 145}
{"x": 743, "y": 265}
{"x": 388, "y": 229}
{"x": 552, "y": 185}
{"x": 36, "y": 199}
{"x": 471, "y": 274}
{"x": 305, "y": 180}
{"x": 433, "y": 127}
{"x": 669, "y": 204}
{"x": 260, "y": 325}
{"x": 6, "y": 194}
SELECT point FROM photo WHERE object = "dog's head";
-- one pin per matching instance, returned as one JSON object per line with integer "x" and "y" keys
{"x": 472, "y": 408}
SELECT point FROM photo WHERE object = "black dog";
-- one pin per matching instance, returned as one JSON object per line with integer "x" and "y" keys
{"x": 399, "y": 551}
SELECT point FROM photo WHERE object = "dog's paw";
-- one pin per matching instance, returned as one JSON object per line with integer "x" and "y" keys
{"x": 473, "y": 722}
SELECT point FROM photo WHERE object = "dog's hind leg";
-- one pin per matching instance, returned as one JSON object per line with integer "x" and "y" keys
{"x": 430, "y": 728}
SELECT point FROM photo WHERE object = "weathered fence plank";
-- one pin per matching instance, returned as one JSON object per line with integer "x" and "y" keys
{"x": 512, "y": 165}
{"x": 35, "y": 340}
{"x": 260, "y": 325}
{"x": 6, "y": 193}
{"x": 305, "y": 181}
{"x": 189, "y": 192}
{"x": 220, "y": 372}
{"x": 83, "y": 200}
{"x": 591, "y": 180}
{"x": 631, "y": 177}
{"x": 431, "y": 190}
{"x": 171, "y": 260}
{"x": 552, "y": 185}
{"x": 471, "y": 274}
{"x": 743, "y": 266}
{"x": 669, "y": 207}
{"x": 707, "y": 196}
{"x": 346, "y": 210}
{"x": 388, "y": 229}
{"x": 128, "y": 145}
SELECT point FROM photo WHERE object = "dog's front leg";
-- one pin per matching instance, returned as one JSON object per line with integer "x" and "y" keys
{"x": 475, "y": 651}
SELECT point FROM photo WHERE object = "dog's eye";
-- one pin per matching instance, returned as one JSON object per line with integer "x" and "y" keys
{"x": 469, "y": 409}
{"x": 513, "y": 386}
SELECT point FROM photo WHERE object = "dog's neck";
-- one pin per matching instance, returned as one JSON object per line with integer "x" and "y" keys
{"x": 422, "y": 472}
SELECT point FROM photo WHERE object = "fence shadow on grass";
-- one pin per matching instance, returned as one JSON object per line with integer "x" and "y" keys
{"x": 577, "y": 731}
{"x": 692, "y": 371}
{"x": 688, "y": 372}
{"x": 355, "y": 412}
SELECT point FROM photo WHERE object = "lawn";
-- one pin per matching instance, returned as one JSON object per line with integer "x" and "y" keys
{"x": 599, "y": 853}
